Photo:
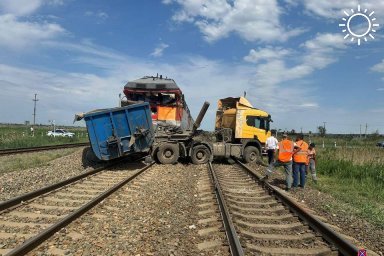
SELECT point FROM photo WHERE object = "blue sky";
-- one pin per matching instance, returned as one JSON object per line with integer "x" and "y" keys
{"x": 289, "y": 56}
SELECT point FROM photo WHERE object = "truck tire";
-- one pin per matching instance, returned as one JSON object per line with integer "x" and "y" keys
{"x": 200, "y": 154}
{"x": 168, "y": 153}
{"x": 251, "y": 154}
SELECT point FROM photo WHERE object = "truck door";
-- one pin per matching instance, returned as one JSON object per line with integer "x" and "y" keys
{"x": 256, "y": 126}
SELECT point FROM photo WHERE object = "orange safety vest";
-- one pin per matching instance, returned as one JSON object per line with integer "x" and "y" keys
{"x": 301, "y": 156}
{"x": 285, "y": 150}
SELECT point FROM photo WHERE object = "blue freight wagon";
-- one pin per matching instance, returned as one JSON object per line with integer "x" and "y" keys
{"x": 118, "y": 132}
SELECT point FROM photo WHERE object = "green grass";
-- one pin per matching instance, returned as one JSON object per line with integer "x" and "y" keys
{"x": 355, "y": 176}
{"x": 16, "y": 136}
{"x": 31, "y": 160}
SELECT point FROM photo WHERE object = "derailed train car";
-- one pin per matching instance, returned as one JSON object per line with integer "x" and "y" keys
{"x": 118, "y": 132}
{"x": 167, "y": 103}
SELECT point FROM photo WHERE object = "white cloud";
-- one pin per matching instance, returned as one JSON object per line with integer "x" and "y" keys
{"x": 333, "y": 9}
{"x": 253, "y": 20}
{"x": 273, "y": 76}
{"x": 317, "y": 53}
{"x": 378, "y": 67}
{"x": 266, "y": 54}
{"x": 321, "y": 51}
{"x": 16, "y": 34}
{"x": 158, "y": 52}
{"x": 102, "y": 16}
{"x": 20, "y": 7}
{"x": 61, "y": 94}
{"x": 86, "y": 47}
{"x": 25, "y": 7}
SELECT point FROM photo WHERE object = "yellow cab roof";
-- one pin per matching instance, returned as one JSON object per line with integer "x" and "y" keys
{"x": 244, "y": 104}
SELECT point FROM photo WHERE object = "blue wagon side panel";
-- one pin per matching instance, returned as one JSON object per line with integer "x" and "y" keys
{"x": 118, "y": 132}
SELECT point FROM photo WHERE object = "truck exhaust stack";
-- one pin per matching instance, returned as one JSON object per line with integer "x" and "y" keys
{"x": 200, "y": 116}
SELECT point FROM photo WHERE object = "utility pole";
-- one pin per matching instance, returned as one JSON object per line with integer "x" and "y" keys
{"x": 360, "y": 130}
{"x": 366, "y": 128}
{"x": 34, "y": 114}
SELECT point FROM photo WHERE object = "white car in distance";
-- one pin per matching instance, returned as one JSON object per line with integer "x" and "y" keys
{"x": 60, "y": 133}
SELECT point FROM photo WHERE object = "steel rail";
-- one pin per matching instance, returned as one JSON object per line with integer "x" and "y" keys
{"x": 18, "y": 200}
{"x": 343, "y": 246}
{"x": 41, "y": 148}
{"x": 33, "y": 242}
{"x": 233, "y": 239}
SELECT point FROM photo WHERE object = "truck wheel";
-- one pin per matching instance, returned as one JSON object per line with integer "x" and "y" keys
{"x": 200, "y": 154}
{"x": 251, "y": 154}
{"x": 168, "y": 153}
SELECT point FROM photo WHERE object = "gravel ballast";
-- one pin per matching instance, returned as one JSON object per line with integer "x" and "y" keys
{"x": 156, "y": 214}
{"x": 20, "y": 182}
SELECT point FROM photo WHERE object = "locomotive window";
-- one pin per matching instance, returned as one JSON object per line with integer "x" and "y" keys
{"x": 141, "y": 86}
{"x": 161, "y": 86}
{"x": 167, "y": 98}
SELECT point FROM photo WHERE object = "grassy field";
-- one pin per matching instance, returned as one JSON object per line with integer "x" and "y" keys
{"x": 355, "y": 176}
{"x": 16, "y": 136}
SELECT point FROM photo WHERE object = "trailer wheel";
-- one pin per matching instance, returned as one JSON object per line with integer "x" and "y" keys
{"x": 200, "y": 154}
{"x": 251, "y": 154}
{"x": 89, "y": 158}
{"x": 168, "y": 153}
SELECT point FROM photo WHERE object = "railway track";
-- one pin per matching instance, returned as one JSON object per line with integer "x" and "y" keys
{"x": 29, "y": 220}
{"x": 261, "y": 220}
{"x": 42, "y": 148}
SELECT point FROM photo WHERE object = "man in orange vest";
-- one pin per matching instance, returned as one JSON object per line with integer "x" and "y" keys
{"x": 300, "y": 158}
{"x": 284, "y": 158}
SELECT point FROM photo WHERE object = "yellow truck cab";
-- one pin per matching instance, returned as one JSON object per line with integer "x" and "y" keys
{"x": 239, "y": 123}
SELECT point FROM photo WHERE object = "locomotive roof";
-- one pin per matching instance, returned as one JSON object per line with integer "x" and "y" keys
{"x": 152, "y": 83}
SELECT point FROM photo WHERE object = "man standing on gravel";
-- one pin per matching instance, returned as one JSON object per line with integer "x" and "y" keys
{"x": 284, "y": 158}
{"x": 300, "y": 158}
{"x": 271, "y": 145}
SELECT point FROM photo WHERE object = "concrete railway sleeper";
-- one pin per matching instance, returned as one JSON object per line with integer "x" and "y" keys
{"x": 260, "y": 222}
{"x": 31, "y": 195}
{"x": 25, "y": 226}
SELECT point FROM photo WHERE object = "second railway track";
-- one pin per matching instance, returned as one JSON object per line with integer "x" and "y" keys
{"x": 259, "y": 223}
{"x": 42, "y": 148}
{"x": 25, "y": 226}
